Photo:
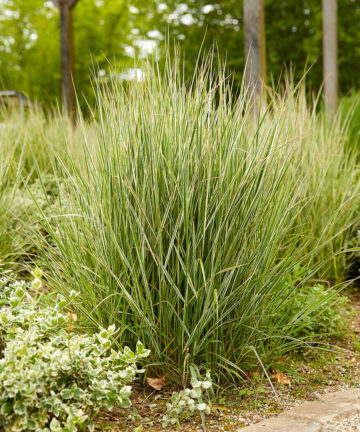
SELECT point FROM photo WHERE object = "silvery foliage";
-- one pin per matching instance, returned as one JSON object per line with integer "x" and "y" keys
{"x": 51, "y": 377}
{"x": 188, "y": 401}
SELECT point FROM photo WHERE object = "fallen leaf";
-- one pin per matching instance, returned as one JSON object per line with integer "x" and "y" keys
{"x": 156, "y": 383}
{"x": 253, "y": 375}
{"x": 71, "y": 317}
{"x": 355, "y": 361}
{"x": 217, "y": 410}
{"x": 281, "y": 379}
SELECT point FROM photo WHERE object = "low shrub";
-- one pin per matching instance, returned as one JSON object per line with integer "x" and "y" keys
{"x": 52, "y": 377}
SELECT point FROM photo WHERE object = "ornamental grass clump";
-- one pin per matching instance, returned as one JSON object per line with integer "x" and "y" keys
{"x": 25, "y": 154}
{"x": 188, "y": 216}
{"x": 52, "y": 377}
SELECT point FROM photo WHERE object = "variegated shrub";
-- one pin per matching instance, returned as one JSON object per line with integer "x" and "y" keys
{"x": 53, "y": 378}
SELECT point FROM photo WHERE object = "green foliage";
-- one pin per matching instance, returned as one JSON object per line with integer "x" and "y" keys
{"x": 350, "y": 111}
{"x": 25, "y": 152}
{"x": 187, "y": 401}
{"x": 29, "y": 48}
{"x": 293, "y": 35}
{"x": 22, "y": 207}
{"x": 30, "y": 44}
{"x": 325, "y": 312}
{"x": 105, "y": 31}
{"x": 52, "y": 378}
{"x": 187, "y": 218}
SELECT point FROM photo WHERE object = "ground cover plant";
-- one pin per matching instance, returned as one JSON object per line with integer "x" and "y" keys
{"x": 53, "y": 377}
{"x": 186, "y": 218}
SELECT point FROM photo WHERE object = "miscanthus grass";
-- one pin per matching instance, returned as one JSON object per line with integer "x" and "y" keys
{"x": 190, "y": 221}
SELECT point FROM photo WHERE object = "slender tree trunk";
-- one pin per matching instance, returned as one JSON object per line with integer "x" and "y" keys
{"x": 255, "y": 53}
{"x": 67, "y": 54}
{"x": 330, "y": 48}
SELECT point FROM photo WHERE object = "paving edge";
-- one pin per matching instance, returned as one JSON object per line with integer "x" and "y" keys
{"x": 312, "y": 416}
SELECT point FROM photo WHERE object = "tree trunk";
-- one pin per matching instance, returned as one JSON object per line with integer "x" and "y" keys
{"x": 255, "y": 53}
{"x": 330, "y": 65}
{"x": 67, "y": 56}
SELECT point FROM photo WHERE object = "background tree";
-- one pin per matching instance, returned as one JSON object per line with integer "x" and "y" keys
{"x": 330, "y": 53}
{"x": 105, "y": 32}
{"x": 293, "y": 35}
{"x": 254, "y": 46}
{"x": 67, "y": 53}
{"x": 29, "y": 48}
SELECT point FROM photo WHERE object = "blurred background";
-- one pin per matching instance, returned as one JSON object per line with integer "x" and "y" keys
{"x": 111, "y": 33}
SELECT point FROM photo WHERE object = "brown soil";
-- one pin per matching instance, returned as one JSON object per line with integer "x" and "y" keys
{"x": 355, "y": 303}
{"x": 320, "y": 372}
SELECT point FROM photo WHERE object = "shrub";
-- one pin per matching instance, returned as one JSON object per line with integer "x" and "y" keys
{"x": 53, "y": 378}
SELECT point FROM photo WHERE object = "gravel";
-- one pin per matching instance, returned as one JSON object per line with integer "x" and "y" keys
{"x": 351, "y": 424}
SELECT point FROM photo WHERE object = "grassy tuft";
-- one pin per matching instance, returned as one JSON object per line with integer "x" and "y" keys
{"x": 189, "y": 220}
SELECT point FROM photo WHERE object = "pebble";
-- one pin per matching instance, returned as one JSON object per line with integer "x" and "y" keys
{"x": 350, "y": 424}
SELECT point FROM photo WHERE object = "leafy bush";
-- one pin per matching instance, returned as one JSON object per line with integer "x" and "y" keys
{"x": 53, "y": 378}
